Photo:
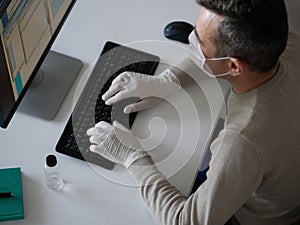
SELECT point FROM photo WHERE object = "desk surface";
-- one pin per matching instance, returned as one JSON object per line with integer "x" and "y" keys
{"x": 93, "y": 195}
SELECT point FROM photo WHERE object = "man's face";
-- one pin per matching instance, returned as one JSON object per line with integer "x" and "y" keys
{"x": 206, "y": 30}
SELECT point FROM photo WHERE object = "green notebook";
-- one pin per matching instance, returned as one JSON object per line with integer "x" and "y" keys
{"x": 11, "y": 208}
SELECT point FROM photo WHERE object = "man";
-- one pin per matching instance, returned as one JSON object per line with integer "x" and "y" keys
{"x": 255, "y": 167}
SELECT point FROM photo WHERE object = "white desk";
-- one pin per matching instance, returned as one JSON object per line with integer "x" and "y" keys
{"x": 93, "y": 195}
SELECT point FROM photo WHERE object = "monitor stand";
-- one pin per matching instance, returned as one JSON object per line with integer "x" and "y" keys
{"x": 50, "y": 86}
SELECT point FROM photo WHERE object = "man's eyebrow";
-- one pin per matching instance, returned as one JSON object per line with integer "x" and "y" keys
{"x": 201, "y": 42}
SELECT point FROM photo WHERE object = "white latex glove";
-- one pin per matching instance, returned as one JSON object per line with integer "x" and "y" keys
{"x": 116, "y": 143}
{"x": 148, "y": 88}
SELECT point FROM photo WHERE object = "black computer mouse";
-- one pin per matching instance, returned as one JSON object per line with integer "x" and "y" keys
{"x": 178, "y": 31}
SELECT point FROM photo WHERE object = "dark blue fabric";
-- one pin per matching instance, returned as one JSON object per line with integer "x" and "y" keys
{"x": 201, "y": 177}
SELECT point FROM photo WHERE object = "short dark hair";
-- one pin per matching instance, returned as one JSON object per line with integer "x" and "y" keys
{"x": 253, "y": 30}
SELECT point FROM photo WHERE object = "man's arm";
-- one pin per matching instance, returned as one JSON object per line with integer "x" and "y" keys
{"x": 235, "y": 173}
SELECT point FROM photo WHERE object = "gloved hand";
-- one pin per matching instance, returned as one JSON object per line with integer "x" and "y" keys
{"x": 116, "y": 143}
{"x": 147, "y": 88}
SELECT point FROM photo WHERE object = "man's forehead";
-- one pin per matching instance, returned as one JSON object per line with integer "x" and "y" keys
{"x": 207, "y": 23}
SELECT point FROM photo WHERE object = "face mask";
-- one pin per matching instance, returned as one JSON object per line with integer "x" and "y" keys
{"x": 199, "y": 57}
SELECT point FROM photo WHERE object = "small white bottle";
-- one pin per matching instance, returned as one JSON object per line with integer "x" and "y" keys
{"x": 52, "y": 172}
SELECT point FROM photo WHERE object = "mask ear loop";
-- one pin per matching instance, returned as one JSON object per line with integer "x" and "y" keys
{"x": 206, "y": 68}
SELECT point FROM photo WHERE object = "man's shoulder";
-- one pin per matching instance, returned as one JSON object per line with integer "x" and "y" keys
{"x": 235, "y": 141}
{"x": 292, "y": 51}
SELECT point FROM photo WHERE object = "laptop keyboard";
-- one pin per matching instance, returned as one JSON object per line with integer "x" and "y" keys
{"x": 91, "y": 109}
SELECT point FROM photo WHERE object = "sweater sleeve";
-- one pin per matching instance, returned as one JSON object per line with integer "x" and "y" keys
{"x": 186, "y": 71}
{"x": 234, "y": 175}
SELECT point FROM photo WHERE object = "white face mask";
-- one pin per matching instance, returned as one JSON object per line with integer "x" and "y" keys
{"x": 199, "y": 57}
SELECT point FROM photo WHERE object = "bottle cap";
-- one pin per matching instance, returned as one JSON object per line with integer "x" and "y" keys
{"x": 51, "y": 160}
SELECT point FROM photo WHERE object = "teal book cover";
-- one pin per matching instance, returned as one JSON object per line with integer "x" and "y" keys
{"x": 11, "y": 208}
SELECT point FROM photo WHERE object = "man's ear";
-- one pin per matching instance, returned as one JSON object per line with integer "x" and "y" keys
{"x": 236, "y": 66}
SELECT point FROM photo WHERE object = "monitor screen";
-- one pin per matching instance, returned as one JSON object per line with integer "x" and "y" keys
{"x": 28, "y": 28}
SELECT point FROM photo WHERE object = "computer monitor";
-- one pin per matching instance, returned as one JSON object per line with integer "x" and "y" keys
{"x": 28, "y": 28}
